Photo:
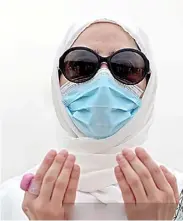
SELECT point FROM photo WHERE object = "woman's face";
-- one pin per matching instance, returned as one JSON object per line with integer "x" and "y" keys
{"x": 105, "y": 38}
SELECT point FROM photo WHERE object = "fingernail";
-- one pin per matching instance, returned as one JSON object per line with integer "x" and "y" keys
{"x": 76, "y": 168}
{"x": 164, "y": 169}
{"x": 51, "y": 154}
{"x": 119, "y": 157}
{"x": 63, "y": 152}
{"x": 129, "y": 154}
{"x": 117, "y": 169}
{"x": 140, "y": 149}
{"x": 71, "y": 157}
{"x": 125, "y": 151}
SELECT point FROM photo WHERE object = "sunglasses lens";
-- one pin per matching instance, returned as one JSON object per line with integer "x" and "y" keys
{"x": 79, "y": 65}
{"x": 128, "y": 67}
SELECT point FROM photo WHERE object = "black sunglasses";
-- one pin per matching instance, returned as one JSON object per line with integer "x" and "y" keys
{"x": 80, "y": 64}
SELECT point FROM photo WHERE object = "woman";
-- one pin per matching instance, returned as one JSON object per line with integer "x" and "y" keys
{"x": 103, "y": 86}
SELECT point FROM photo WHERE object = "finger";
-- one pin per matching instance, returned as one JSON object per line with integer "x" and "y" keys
{"x": 62, "y": 181}
{"x": 132, "y": 179}
{"x": 26, "y": 180}
{"x": 172, "y": 181}
{"x": 70, "y": 194}
{"x": 141, "y": 170}
{"x": 127, "y": 193}
{"x": 52, "y": 175}
{"x": 154, "y": 169}
{"x": 36, "y": 181}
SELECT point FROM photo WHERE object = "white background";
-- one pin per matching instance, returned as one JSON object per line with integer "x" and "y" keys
{"x": 30, "y": 32}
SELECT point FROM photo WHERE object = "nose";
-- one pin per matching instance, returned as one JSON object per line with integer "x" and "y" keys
{"x": 103, "y": 65}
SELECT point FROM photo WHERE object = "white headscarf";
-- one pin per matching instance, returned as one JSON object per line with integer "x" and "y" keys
{"x": 97, "y": 158}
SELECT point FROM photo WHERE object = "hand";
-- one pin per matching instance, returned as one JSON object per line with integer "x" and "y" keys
{"x": 52, "y": 188}
{"x": 150, "y": 192}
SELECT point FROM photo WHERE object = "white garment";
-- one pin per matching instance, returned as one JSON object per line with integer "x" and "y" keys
{"x": 95, "y": 157}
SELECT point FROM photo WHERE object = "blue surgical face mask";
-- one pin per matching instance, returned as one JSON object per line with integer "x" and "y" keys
{"x": 102, "y": 106}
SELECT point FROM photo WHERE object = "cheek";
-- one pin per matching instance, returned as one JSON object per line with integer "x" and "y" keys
{"x": 63, "y": 80}
{"x": 142, "y": 85}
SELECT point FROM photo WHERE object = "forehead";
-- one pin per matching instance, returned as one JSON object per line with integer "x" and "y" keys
{"x": 105, "y": 38}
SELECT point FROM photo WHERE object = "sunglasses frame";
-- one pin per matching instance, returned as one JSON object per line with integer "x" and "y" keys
{"x": 101, "y": 60}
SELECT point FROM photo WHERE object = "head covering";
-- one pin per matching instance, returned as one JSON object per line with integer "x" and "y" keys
{"x": 97, "y": 158}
